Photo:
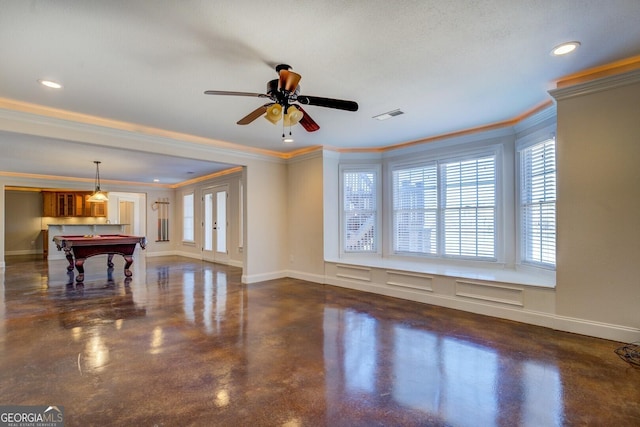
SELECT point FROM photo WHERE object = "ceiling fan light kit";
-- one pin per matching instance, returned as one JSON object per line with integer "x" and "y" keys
{"x": 284, "y": 93}
{"x": 274, "y": 113}
{"x": 293, "y": 116}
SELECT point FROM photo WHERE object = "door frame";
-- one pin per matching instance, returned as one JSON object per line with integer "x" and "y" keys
{"x": 214, "y": 255}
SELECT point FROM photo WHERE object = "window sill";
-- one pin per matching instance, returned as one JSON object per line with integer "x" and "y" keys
{"x": 495, "y": 273}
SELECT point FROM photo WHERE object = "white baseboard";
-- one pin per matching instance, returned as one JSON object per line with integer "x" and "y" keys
{"x": 231, "y": 262}
{"x": 597, "y": 329}
{"x": 254, "y": 278}
{"x": 315, "y": 278}
{"x": 186, "y": 254}
{"x": 549, "y": 320}
{"x": 24, "y": 252}
{"x": 235, "y": 263}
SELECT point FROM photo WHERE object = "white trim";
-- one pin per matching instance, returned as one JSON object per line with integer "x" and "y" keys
{"x": 475, "y": 270}
{"x": 301, "y": 275}
{"x": 448, "y": 143}
{"x": 95, "y": 134}
{"x": 261, "y": 277}
{"x": 539, "y": 118}
{"x": 504, "y": 310}
{"x": 598, "y": 85}
{"x": 161, "y": 253}
{"x": 24, "y": 252}
{"x": 495, "y": 150}
{"x": 376, "y": 168}
{"x": 306, "y": 156}
{"x": 520, "y": 237}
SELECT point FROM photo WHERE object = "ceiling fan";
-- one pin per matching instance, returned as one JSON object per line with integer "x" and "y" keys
{"x": 285, "y": 101}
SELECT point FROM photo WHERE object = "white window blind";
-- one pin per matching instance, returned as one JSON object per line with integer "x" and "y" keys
{"x": 415, "y": 209}
{"x": 187, "y": 218}
{"x": 468, "y": 192}
{"x": 446, "y": 208}
{"x": 360, "y": 211}
{"x": 538, "y": 203}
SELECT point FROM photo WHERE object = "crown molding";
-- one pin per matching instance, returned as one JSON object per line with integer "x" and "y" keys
{"x": 22, "y": 117}
{"x": 597, "y": 85}
{"x": 547, "y": 114}
{"x": 590, "y": 74}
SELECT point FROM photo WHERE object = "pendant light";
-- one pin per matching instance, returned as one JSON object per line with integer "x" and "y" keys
{"x": 98, "y": 196}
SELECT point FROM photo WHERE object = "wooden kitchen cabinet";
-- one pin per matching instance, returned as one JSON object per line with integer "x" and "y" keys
{"x": 65, "y": 204}
{"x": 71, "y": 204}
{"x": 49, "y": 206}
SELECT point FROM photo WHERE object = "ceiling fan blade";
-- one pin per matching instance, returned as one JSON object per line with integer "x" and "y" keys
{"x": 289, "y": 80}
{"x": 224, "y": 92}
{"x": 339, "y": 104}
{"x": 258, "y": 112}
{"x": 307, "y": 122}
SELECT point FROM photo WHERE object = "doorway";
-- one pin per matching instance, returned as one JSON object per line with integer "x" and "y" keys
{"x": 215, "y": 224}
{"x": 126, "y": 215}
{"x": 128, "y": 209}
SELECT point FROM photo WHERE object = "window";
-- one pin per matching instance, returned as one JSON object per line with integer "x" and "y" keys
{"x": 360, "y": 210}
{"x": 538, "y": 203}
{"x": 187, "y": 218}
{"x": 415, "y": 209}
{"x": 469, "y": 207}
{"x": 446, "y": 208}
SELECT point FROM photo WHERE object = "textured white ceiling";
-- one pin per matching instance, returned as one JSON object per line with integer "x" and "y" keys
{"x": 449, "y": 65}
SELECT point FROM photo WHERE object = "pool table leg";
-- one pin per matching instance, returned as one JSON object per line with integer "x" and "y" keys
{"x": 80, "y": 268}
{"x": 128, "y": 261}
{"x": 69, "y": 256}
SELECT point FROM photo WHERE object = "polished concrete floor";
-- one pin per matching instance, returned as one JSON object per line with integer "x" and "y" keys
{"x": 185, "y": 343}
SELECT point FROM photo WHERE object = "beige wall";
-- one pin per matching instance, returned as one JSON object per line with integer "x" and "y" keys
{"x": 290, "y": 223}
{"x": 304, "y": 226}
{"x": 598, "y": 254}
{"x": 266, "y": 221}
{"x": 23, "y": 222}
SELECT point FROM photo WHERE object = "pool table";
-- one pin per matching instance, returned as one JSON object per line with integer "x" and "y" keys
{"x": 78, "y": 248}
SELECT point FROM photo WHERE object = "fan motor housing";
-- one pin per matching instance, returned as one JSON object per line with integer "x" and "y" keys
{"x": 272, "y": 87}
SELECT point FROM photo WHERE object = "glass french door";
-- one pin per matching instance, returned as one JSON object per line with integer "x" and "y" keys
{"x": 215, "y": 224}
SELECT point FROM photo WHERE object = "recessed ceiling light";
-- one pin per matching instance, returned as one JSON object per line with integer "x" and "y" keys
{"x": 388, "y": 115}
{"x": 50, "y": 83}
{"x": 565, "y": 48}
{"x": 156, "y": 180}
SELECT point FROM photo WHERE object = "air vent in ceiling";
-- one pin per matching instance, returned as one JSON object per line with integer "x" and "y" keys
{"x": 388, "y": 115}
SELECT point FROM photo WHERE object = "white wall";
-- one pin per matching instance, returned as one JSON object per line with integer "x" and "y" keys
{"x": 235, "y": 222}
{"x": 154, "y": 246}
{"x": 139, "y": 224}
{"x": 330, "y": 204}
